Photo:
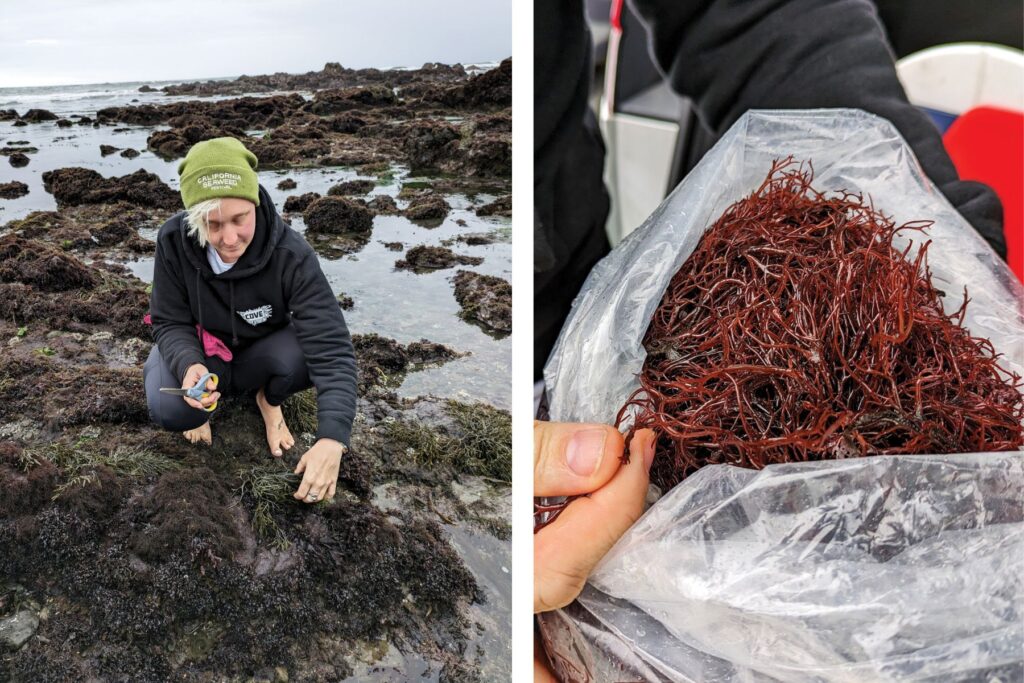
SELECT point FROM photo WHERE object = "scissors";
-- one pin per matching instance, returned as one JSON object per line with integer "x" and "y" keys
{"x": 198, "y": 391}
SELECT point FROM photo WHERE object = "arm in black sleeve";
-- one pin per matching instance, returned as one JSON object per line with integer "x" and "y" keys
{"x": 327, "y": 348}
{"x": 173, "y": 326}
{"x": 729, "y": 56}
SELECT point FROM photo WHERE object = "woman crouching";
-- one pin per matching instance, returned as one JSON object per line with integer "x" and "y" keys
{"x": 239, "y": 294}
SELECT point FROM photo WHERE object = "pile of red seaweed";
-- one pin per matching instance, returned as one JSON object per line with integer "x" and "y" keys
{"x": 798, "y": 331}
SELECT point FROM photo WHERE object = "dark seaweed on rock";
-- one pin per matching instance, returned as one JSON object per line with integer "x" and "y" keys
{"x": 485, "y": 299}
{"x": 73, "y": 186}
{"x": 42, "y": 266}
{"x": 424, "y": 258}
{"x": 13, "y": 190}
{"x": 337, "y": 215}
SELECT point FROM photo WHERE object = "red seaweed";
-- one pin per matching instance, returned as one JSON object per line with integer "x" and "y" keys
{"x": 798, "y": 330}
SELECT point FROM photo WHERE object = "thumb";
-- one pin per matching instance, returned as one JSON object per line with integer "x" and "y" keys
{"x": 566, "y": 551}
{"x": 573, "y": 458}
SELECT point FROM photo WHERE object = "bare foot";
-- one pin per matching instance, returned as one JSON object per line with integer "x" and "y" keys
{"x": 278, "y": 436}
{"x": 201, "y": 433}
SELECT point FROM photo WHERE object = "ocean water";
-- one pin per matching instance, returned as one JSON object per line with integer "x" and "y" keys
{"x": 389, "y": 302}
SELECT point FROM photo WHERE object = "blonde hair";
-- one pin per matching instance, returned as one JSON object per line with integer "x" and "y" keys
{"x": 198, "y": 219}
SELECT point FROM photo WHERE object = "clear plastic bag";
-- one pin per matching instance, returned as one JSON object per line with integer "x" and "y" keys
{"x": 885, "y": 568}
{"x": 593, "y": 365}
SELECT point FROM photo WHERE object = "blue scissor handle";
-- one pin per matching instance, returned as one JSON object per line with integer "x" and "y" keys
{"x": 199, "y": 389}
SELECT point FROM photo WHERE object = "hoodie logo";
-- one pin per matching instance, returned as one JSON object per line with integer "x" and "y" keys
{"x": 257, "y": 316}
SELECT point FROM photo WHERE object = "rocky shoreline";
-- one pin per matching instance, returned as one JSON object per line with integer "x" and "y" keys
{"x": 127, "y": 553}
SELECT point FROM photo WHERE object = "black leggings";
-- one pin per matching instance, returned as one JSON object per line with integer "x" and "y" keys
{"x": 274, "y": 363}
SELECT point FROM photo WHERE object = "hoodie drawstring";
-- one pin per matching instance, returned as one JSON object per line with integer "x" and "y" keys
{"x": 199, "y": 303}
{"x": 231, "y": 311}
{"x": 234, "y": 335}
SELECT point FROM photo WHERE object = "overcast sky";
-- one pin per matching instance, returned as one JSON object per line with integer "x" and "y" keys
{"x": 57, "y": 42}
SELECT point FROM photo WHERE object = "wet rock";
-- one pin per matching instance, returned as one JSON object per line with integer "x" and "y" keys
{"x": 175, "y": 143}
{"x": 383, "y": 204}
{"x": 18, "y": 160}
{"x": 42, "y": 266}
{"x": 19, "y": 123}
{"x": 394, "y": 246}
{"x": 130, "y": 153}
{"x": 347, "y": 158}
{"x": 298, "y": 203}
{"x": 429, "y": 144}
{"x": 8, "y": 115}
{"x": 21, "y": 146}
{"x": 490, "y": 89}
{"x": 502, "y": 206}
{"x": 83, "y": 310}
{"x": 75, "y": 185}
{"x": 428, "y": 209}
{"x": 487, "y": 155}
{"x": 283, "y": 153}
{"x": 64, "y": 123}
{"x": 112, "y": 233}
{"x": 485, "y": 299}
{"x": 345, "y": 302}
{"x": 93, "y": 228}
{"x": 380, "y": 358}
{"x": 425, "y": 258}
{"x": 13, "y": 190}
{"x": 239, "y": 114}
{"x": 415, "y": 189}
{"x": 374, "y": 351}
{"x": 147, "y": 88}
{"x": 287, "y": 184}
{"x": 332, "y": 76}
{"x": 16, "y": 630}
{"x": 107, "y": 150}
{"x": 337, "y": 215}
{"x": 425, "y": 352}
{"x": 38, "y": 116}
{"x": 351, "y": 187}
{"x": 475, "y": 239}
{"x": 347, "y": 123}
{"x": 335, "y": 101}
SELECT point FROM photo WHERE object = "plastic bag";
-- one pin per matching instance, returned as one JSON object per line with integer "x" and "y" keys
{"x": 593, "y": 365}
{"x": 890, "y": 568}
{"x": 886, "y": 568}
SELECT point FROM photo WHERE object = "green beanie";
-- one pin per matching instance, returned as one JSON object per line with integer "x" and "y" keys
{"x": 221, "y": 167}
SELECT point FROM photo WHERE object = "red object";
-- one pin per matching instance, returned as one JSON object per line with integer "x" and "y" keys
{"x": 212, "y": 346}
{"x": 987, "y": 145}
{"x": 616, "y": 15}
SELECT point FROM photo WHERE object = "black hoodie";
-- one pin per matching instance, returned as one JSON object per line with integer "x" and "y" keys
{"x": 277, "y": 280}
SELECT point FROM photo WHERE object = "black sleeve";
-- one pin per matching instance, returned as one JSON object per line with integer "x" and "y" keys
{"x": 327, "y": 348}
{"x": 173, "y": 326}
{"x": 729, "y": 56}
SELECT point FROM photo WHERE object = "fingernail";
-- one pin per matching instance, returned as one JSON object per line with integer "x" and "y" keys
{"x": 277, "y": 452}
{"x": 586, "y": 448}
{"x": 649, "y": 452}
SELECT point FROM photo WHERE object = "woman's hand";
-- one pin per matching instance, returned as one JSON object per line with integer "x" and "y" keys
{"x": 320, "y": 464}
{"x": 192, "y": 375}
{"x": 577, "y": 459}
